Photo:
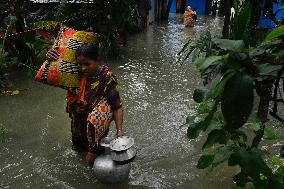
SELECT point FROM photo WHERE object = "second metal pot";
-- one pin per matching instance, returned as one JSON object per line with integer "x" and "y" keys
{"x": 123, "y": 156}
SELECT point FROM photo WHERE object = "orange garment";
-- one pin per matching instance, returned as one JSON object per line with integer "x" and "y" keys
{"x": 188, "y": 18}
{"x": 78, "y": 98}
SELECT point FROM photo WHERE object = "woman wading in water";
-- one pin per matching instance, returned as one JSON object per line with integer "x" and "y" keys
{"x": 94, "y": 105}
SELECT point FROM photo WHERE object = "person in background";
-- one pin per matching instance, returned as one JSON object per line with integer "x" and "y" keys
{"x": 214, "y": 7}
{"x": 94, "y": 105}
{"x": 188, "y": 17}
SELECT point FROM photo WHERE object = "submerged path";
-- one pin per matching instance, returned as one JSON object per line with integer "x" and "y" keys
{"x": 156, "y": 93}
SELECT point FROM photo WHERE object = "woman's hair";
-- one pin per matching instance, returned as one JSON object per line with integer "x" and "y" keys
{"x": 89, "y": 51}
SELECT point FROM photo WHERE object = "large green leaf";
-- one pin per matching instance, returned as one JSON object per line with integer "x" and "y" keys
{"x": 255, "y": 52}
{"x": 218, "y": 89}
{"x": 205, "y": 63}
{"x": 253, "y": 168}
{"x": 190, "y": 119}
{"x": 237, "y": 100}
{"x": 186, "y": 45}
{"x": 200, "y": 94}
{"x": 39, "y": 44}
{"x": 194, "y": 130}
{"x": 254, "y": 126}
{"x": 269, "y": 134}
{"x": 268, "y": 69}
{"x": 215, "y": 137}
{"x": 238, "y": 135}
{"x": 277, "y": 32}
{"x": 230, "y": 45}
{"x": 214, "y": 124}
{"x": 241, "y": 21}
{"x": 251, "y": 162}
{"x": 226, "y": 152}
{"x": 205, "y": 161}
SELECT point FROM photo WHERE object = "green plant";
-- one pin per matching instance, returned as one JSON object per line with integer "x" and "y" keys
{"x": 3, "y": 130}
{"x": 10, "y": 54}
{"x": 227, "y": 105}
{"x": 111, "y": 20}
{"x": 234, "y": 70}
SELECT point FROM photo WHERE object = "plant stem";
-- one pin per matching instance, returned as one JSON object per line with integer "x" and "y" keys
{"x": 258, "y": 137}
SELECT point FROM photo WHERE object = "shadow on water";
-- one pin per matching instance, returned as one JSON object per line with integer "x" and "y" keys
{"x": 156, "y": 93}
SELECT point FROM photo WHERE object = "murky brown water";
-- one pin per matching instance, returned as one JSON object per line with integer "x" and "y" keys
{"x": 156, "y": 93}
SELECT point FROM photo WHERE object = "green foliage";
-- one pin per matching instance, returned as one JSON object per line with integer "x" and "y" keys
{"x": 199, "y": 94}
{"x": 205, "y": 161}
{"x": 12, "y": 57}
{"x": 5, "y": 63}
{"x": 10, "y": 20}
{"x": 203, "y": 108}
{"x": 194, "y": 130}
{"x": 277, "y": 32}
{"x": 202, "y": 45}
{"x": 3, "y": 130}
{"x": 109, "y": 19}
{"x": 216, "y": 136}
{"x": 219, "y": 87}
{"x": 204, "y": 63}
{"x": 242, "y": 21}
{"x": 232, "y": 93}
{"x": 278, "y": 166}
{"x": 237, "y": 100}
{"x": 230, "y": 45}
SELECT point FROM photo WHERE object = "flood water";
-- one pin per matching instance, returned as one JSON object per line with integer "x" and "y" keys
{"x": 156, "y": 94}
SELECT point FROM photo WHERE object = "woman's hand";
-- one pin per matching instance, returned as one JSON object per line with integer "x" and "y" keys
{"x": 52, "y": 54}
{"x": 90, "y": 158}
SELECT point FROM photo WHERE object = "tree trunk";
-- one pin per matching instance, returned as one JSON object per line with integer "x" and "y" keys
{"x": 24, "y": 53}
{"x": 264, "y": 91}
{"x": 226, "y": 27}
{"x": 163, "y": 10}
{"x": 255, "y": 14}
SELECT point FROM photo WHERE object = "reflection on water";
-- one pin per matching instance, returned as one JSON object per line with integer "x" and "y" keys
{"x": 156, "y": 92}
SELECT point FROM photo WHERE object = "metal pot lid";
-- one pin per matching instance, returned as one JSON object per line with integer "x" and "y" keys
{"x": 105, "y": 142}
{"x": 121, "y": 143}
{"x": 120, "y": 156}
